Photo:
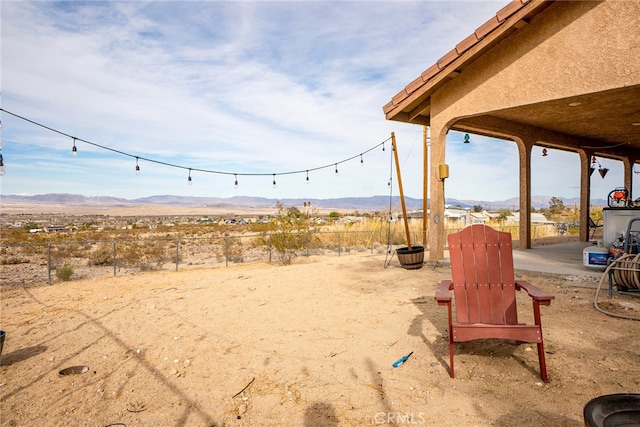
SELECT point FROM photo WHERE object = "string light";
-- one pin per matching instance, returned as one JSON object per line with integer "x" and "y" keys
{"x": 189, "y": 180}
{"x": 235, "y": 184}
{"x": 75, "y": 151}
{"x": 274, "y": 181}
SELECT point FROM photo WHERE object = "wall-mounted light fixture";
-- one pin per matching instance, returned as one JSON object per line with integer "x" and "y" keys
{"x": 443, "y": 172}
{"x": 544, "y": 152}
{"x": 467, "y": 138}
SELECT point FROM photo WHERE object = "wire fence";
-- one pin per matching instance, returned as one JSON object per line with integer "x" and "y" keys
{"x": 30, "y": 264}
{"x": 33, "y": 264}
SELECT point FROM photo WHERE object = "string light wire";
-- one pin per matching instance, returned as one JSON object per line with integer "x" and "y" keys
{"x": 173, "y": 165}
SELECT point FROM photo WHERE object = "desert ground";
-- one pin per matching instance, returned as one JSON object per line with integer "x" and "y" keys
{"x": 311, "y": 344}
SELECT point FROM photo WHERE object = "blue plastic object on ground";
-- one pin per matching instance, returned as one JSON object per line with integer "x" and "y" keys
{"x": 401, "y": 360}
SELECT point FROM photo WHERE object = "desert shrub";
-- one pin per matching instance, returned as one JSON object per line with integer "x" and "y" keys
{"x": 289, "y": 232}
{"x": 144, "y": 255}
{"x": 103, "y": 255}
{"x": 236, "y": 250}
{"x": 64, "y": 273}
{"x": 13, "y": 260}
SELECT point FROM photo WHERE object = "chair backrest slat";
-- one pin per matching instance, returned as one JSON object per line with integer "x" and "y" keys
{"x": 483, "y": 275}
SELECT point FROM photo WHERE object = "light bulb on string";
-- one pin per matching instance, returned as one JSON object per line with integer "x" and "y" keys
{"x": 74, "y": 150}
{"x": 274, "y": 181}
{"x": 235, "y": 184}
{"x": 189, "y": 180}
{"x": 137, "y": 167}
{"x": 383, "y": 146}
{"x": 336, "y": 169}
{"x": 307, "y": 177}
{"x": 361, "y": 160}
{"x": 1, "y": 164}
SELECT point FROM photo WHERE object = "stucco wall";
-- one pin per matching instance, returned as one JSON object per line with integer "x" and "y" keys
{"x": 570, "y": 48}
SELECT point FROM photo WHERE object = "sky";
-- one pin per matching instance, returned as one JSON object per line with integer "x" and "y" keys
{"x": 241, "y": 90}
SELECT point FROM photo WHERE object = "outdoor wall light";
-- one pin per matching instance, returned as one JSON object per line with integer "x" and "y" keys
{"x": 544, "y": 152}
{"x": 443, "y": 172}
{"x": 467, "y": 138}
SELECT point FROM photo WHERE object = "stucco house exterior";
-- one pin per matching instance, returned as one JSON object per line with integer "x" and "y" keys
{"x": 557, "y": 74}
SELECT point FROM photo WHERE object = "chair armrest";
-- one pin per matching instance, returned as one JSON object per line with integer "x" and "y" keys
{"x": 534, "y": 292}
{"x": 443, "y": 292}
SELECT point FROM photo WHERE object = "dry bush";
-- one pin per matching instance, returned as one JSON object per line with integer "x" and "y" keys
{"x": 64, "y": 273}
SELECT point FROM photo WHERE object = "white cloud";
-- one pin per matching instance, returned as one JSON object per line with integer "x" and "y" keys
{"x": 246, "y": 87}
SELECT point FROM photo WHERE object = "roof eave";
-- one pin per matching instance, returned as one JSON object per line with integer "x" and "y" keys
{"x": 413, "y": 103}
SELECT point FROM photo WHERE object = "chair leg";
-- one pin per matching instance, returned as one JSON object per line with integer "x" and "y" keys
{"x": 451, "y": 351}
{"x": 543, "y": 363}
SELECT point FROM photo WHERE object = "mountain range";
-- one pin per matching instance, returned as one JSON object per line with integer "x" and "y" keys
{"x": 372, "y": 203}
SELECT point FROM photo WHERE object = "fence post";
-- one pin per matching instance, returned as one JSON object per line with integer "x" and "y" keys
{"x": 115, "y": 257}
{"x": 339, "y": 243}
{"x": 226, "y": 250}
{"x": 270, "y": 247}
{"x": 49, "y": 261}
{"x": 177, "y": 252}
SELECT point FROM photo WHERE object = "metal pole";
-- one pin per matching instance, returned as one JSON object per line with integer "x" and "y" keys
{"x": 177, "y": 252}
{"x": 226, "y": 243}
{"x": 425, "y": 182}
{"x": 49, "y": 261}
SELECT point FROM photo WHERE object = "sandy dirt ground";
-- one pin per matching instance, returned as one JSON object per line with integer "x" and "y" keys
{"x": 311, "y": 344}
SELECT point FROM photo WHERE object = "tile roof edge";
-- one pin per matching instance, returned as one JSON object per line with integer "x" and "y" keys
{"x": 473, "y": 39}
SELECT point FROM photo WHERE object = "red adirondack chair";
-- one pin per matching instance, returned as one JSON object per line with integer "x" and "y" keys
{"x": 484, "y": 289}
